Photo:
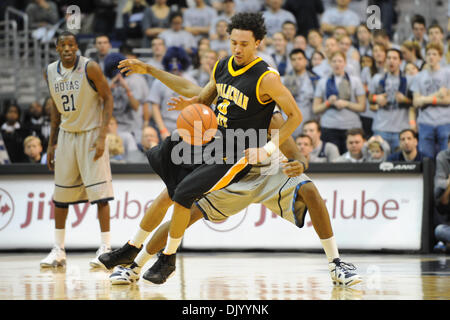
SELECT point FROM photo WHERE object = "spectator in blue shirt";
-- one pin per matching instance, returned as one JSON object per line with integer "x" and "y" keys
{"x": 408, "y": 148}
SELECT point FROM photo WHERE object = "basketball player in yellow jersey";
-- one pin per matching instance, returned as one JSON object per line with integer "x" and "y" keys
{"x": 76, "y": 150}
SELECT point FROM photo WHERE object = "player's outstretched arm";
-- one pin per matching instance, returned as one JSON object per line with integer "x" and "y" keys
{"x": 178, "y": 84}
{"x": 95, "y": 74}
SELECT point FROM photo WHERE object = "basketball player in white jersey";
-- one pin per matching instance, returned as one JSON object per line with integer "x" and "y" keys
{"x": 76, "y": 149}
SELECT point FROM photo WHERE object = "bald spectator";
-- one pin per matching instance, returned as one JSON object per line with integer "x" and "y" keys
{"x": 341, "y": 15}
{"x": 149, "y": 140}
{"x": 322, "y": 151}
{"x": 408, "y": 148}
{"x": 355, "y": 143}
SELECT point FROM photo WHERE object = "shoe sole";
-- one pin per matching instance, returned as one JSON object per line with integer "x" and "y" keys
{"x": 151, "y": 282}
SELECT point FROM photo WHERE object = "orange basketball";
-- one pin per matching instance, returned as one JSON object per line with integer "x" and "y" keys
{"x": 197, "y": 124}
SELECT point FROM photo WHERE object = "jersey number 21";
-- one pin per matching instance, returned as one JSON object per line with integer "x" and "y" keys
{"x": 67, "y": 101}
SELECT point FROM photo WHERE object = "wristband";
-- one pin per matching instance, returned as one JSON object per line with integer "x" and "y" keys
{"x": 412, "y": 122}
{"x": 270, "y": 148}
{"x": 434, "y": 101}
{"x": 163, "y": 131}
{"x": 327, "y": 104}
{"x": 374, "y": 98}
{"x": 304, "y": 165}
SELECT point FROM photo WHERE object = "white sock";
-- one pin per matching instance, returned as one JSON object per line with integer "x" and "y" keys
{"x": 141, "y": 259}
{"x": 139, "y": 238}
{"x": 172, "y": 245}
{"x": 106, "y": 238}
{"x": 330, "y": 247}
{"x": 59, "y": 237}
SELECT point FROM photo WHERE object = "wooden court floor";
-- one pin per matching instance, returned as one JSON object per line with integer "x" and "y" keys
{"x": 233, "y": 276}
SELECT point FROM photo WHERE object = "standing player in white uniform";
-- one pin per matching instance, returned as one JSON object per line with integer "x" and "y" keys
{"x": 76, "y": 149}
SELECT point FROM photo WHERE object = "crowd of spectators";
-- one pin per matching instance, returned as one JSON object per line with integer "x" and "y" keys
{"x": 364, "y": 98}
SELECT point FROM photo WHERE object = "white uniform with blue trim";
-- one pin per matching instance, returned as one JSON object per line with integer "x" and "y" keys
{"x": 78, "y": 178}
{"x": 275, "y": 191}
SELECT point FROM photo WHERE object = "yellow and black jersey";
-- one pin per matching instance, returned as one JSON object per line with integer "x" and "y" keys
{"x": 238, "y": 104}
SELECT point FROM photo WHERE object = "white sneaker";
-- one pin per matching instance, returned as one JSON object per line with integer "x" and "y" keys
{"x": 122, "y": 275}
{"x": 343, "y": 273}
{"x": 95, "y": 263}
{"x": 56, "y": 258}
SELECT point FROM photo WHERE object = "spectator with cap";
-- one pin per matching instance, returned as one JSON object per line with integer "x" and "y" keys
{"x": 156, "y": 20}
{"x": 129, "y": 94}
{"x": 176, "y": 36}
{"x": 354, "y": 144}
{"x": 177, "y": 62}
{"x": 301, "y": 84}
{"x": 389, "y": 92}
{"x": 341, "y": 15}
{"x": 338, "y": 99}
{"x": 322, "y": 151}
{"x": 408, "y": 148}
{"x": 431, "y": 97}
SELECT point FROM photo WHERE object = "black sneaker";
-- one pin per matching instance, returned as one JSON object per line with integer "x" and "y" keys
{"x": 123, "y": 256}
{"x": 162, "y": 269}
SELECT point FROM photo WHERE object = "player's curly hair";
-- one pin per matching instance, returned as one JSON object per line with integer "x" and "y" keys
{"x": 249, "y": 21}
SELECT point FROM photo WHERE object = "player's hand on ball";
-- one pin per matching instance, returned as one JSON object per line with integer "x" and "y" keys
{"x": 181, "y": 102}
{"x": 130, "y": 66}
{"x": 292, "y": 168}
{"x": 51, "y": 157}
{"x": 99, "y": 147}
{"x": 256, "y": 155}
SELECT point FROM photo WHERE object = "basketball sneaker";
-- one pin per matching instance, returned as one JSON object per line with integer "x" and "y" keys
{"x": 56, "y": 258}
{"x": 123, "y": 256}
{"x": 122, "y": 275}
{"x": 343, "y": 273}
{"x": 162, "y": 269}
{"x": 95, "y": 263}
